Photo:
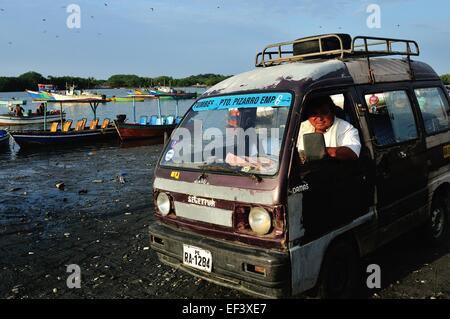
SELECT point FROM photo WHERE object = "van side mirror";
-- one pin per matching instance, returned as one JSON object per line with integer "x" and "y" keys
{"x": 314, "y": 144}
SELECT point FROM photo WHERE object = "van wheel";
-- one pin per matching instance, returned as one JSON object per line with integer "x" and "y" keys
{"x": 437, "y": 228}
{"x": 340, "y": 272}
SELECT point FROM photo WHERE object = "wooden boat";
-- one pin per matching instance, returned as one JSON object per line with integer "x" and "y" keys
{"x": 67, "y": 137}
{"x": 46, "y": 138}
{"x": 148, "y": 127}
{"x": 4, "y": 138}
{"x": 170, "y": 93}
{"x": 9, "y": 119}
{"x": 135, "y": 131}
{"x": 127, "y": 99}
{"x": 49, "y": 96}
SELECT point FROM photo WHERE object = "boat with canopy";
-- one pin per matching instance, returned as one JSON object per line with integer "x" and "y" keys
{"x": 154, "y": 126}
{"x": 62, "y": 134}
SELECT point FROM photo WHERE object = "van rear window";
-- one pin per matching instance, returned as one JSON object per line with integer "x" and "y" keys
{"x": 434, "y": 108}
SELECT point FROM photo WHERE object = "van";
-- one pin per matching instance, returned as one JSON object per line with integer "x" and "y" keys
{"x": 240, "y": 204}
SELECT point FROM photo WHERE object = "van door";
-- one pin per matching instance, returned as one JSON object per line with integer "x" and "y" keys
{"x": 399, "y": 150}
{"x": 337, "y": 191}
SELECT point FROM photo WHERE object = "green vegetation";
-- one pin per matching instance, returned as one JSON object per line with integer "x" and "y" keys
{"x": 128, "y": 80}
{"x": 446, "y": 79}
{"x": 30, "y": 80}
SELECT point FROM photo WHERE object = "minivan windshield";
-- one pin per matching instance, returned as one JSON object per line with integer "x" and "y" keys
{"x": 234, "y": 133}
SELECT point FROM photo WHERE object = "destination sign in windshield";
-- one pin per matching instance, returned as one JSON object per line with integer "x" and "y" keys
{"x": 244, "y": 101}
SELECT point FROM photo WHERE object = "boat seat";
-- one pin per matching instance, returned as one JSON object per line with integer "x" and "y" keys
{"x": 159, "y": 121}
{"x": 80, "y": 125}
{"x": 143, "y": 120}
{"x": 94, "y": 124}
{"x": 67, "y": 125}
{"x": 105, "y": 123}
{"x": 54, "y": 127}
{"x": 178, "y": 120}
{"x": 153, "y": 119}
{"x": 170, "y": 120}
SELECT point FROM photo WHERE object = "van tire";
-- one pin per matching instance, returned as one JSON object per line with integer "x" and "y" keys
{"x": 437, "y": 229}
{"x": 340, "y": 273}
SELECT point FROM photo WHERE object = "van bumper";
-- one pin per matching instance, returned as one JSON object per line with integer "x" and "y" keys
{"x": 229, "y": 262}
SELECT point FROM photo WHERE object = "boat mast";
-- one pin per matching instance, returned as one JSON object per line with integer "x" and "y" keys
{"x": 159, "y": 109}
{"x": 134, "y": 109}
{"x": 61, "y": 114}
{"x": 45, "y": 115}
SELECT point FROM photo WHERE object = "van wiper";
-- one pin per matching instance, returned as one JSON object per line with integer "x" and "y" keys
{"x": 228, "y": 168}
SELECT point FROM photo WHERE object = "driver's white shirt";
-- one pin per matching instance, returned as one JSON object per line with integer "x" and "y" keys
{"x": 341, "y": 133}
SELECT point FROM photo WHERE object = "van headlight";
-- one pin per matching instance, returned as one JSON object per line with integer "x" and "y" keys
{"x": 163, "y": 203}
{"x": 260, "y": 220}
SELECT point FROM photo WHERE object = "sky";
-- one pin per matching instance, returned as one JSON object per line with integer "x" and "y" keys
{"x": 186, "y": 37}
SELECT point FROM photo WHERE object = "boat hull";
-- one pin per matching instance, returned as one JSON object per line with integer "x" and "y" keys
{"x": 32, "y": 139}
{"x": 40, "y": 96}
{"x": 7, "y": 119}
{"x": 4, "y": 138}
{"x": 49, "y": 96}
{"x": 63, "y": 97}
{"x": 134, "y": 131}
{"x": 174, "y": 96}
{"x": 127, "y": 99}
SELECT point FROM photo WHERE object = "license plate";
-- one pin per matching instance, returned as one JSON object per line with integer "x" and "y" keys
{"x": 197, "y": 258}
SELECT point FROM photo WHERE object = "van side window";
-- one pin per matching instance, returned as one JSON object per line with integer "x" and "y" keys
{"x": 434, "y": 108}
{"x": 391, "y": 117}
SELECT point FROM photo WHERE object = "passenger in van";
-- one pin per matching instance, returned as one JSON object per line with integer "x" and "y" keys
{"x": 341, "y": 138}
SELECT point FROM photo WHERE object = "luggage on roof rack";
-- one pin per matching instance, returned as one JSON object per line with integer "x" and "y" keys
{"x": 337, "y": 45}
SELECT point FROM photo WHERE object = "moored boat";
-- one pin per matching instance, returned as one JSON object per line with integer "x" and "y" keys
{"x": 168, "y": 92}
{"x": 10, "y": 119}
{"x": 46, "y": 138}
{"x": 135, "y": 131}
{"x": 70, "y": 94}
{"x": 65, "y": 136}
{"x": 127, "y": 99}
{"x": 153, "y": 126}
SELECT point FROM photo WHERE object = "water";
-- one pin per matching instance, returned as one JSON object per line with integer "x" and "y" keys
{"x": 109, "y": 110}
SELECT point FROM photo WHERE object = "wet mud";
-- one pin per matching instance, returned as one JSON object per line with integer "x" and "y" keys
{"x": 98, "y": 220}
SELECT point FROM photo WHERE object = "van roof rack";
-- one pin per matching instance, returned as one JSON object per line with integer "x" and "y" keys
{"x": 330, "y": 46}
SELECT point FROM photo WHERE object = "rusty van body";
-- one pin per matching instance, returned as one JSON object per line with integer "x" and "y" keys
{"x": 278, "y": 232}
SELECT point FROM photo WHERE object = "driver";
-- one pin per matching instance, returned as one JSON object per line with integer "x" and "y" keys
{"x": 341, "y": 138}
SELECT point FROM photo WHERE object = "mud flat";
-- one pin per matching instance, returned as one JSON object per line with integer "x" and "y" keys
{"x": 99, "y": 221}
